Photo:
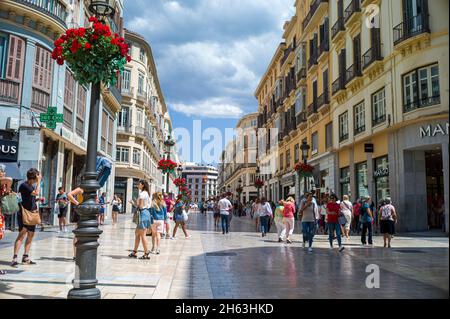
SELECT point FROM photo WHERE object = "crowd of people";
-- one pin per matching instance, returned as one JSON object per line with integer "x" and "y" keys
{"x": 334, "y": 217}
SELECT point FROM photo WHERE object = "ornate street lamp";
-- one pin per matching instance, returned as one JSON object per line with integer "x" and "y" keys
{"x": 87, "y": 232}
{"x": 169, "y": 143}
{"x": 305, "y": 150}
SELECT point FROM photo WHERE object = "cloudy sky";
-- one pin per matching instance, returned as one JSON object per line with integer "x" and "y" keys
{"x": 210, "y": 54}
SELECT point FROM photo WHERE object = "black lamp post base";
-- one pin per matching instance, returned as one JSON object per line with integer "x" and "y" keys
{"x": 93, "y": 293}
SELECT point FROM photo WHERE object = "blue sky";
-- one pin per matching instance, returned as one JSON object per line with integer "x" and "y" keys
{"x": 210, "y": 54}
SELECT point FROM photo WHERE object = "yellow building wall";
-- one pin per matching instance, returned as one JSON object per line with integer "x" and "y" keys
{"x": 380, "y": 145}
{"x": 344, "y": 158}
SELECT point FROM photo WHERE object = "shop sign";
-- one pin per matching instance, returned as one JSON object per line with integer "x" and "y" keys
{"x": 368, "y": 148}
{"x": 288, "y": 180}
{"x": 381, "y": 172}
{"x": 8, "y": 151}
{"x": 433, "y": 130}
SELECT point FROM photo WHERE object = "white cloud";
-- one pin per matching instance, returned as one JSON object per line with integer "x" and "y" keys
{"x": 211, "y": 108}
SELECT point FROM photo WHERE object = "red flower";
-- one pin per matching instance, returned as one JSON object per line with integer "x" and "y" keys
{"x": 114, "y": 41}
{"x": 128, "y": 58}
{"x": 58, "y": 42}
{"x": 93, "y": 19}
{"x": 60, "y": 61}
{"x": 94, "y": 37}
{"x": 87, "y": 46}
{"x": 81, "y": 32}
{"x": 75, "y": 46}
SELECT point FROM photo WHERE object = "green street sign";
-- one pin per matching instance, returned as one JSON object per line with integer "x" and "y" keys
{"x": 51, "y": 118}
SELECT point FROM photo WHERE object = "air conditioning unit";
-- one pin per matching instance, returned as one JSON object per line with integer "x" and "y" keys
{"x": 12, "y": 124}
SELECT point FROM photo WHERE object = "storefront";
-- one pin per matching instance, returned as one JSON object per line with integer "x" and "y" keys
{"x": 288, "y": 185}
{"x": 419, "y": 155}
{"x": 362, "y": 184}
{"x": 381, "y": 178}
{"x": 344, "y": 181}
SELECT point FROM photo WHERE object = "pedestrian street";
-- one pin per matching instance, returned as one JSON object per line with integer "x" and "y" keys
{"x": 240, "y": 265}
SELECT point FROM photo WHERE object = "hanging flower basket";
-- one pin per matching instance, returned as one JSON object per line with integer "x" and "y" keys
{"x": 229, "y": 194}
{"x": 305, "y": 170}
{"x": 239, "y": 190}
{"x": 94, "y": 54}
{"x": 259, "y": 183}
{"x": 179, "y": 182}
{"x": 167, "y": 166}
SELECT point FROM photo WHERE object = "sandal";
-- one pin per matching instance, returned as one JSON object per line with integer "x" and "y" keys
{"x": 2, "y": 272}
{"x": 145, "y": 256}
{"x": 14, "y": 264}
{"x": 27, "y": 261}
{"x": 133, "y": 254}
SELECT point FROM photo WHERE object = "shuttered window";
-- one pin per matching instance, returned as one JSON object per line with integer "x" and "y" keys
{"x": 16, "y": 56}
{"x": 43, "y": 68}
{"x": 69, "y": 99}
{"x": 81, "y": 110}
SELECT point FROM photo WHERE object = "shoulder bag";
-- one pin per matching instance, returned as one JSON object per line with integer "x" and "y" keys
{"x": 30, "y": 218}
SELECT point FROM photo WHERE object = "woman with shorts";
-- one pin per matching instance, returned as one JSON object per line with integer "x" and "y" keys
{"x": 144, "y": 221}
{"x": 178, "y": 217}
{"x": 347, "y": 212}
{"x": 158, "y": 212}
{"x": 116, "y": 203}
{"x": 388, "y": 218}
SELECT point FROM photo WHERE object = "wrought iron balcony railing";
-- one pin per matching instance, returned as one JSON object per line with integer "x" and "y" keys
{"x": 411, "y": 27}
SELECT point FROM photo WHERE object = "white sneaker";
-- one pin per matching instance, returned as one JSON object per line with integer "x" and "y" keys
{"x": 187, "y": 237}
{"x": 310, "y": 250}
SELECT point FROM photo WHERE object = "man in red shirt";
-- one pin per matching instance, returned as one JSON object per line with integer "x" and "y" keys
{"x": 356, "y": 208}
{"x": 333, "y": 211}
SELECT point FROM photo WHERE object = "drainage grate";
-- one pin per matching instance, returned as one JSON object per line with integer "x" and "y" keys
{"x": 220, "y": 254}
{"x": 409, "y": 251}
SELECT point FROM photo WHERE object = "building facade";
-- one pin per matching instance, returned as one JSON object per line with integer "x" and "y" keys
{"x": 30, "y": 82}
{"x": 143, "y": 124}
{"x": 202, "y": 181}
{"x": 238, "y": 162}
{"x": 364, "y": 84}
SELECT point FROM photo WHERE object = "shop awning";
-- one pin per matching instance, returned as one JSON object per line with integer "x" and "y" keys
{"x": 13, "y": 171}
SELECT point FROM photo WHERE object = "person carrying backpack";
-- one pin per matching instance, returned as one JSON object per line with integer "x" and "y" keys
{"x": 366, "y": 216}
{"x": 388, "y": 218}
{"x": 179, "y": 218}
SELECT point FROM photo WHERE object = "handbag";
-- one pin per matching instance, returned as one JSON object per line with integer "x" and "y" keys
{"x": 136, "y": 216}
{"x": 185, "y": 216}
{"x": 30, "y": 218}
{"x": 10, "y": 204}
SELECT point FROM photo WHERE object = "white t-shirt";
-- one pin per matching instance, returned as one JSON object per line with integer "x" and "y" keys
{"x": 346, "y": 207}
{"x": 146, "y": 198}
{"x": 224, "y": 205}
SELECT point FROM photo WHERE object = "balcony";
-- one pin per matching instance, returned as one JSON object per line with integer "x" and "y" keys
{"x": 301, "y": 75}
{"x": 124, "y": 129}
{"x": 139, "y": 131}
{"x": 421, "y": 103}
{"x": 353, "y": 72}
{"x": 371, "y": 55}
{"x": 142, "y": 96}
{"x": 352, "y": 12}
{"x": 343, "y": 137}
{"x": 287, "y": 52}
{"x": 301, "y": 118}
{"x": 55, "y": 9}
{"x": 127, "y": 92}
{"x": 313, "y": 9}
{"x": 379, "y": 120}
{"x": 337, "y": 29}
{"x": 338, "y": 85}
{"x": 323, "y": 100}
{"x": 312, "y": 61}
{"x": 410, "y": 28}
{"x": 9, "y": 91}
{"x": 359, "y": 130}
{"x": 324, "y": 47}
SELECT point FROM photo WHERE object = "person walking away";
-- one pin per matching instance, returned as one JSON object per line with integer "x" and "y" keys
{"x": 256, "y": 209}
{"x": 62, "y": 202}
{"x": 366, "y": 221}
{"x": 347, "y": 212}
{"x": 323, "y": 215}
{"x": 279, "y": 223}
{"x": 75, "y": 197}
{"x": 308, "y": 218}
{"x": 179, "y": 207}
{"x": 28, "y": 190}
{"x": 158, "y": 212}
{"x": 170, "y": 203}
{"x": 356, "y": 217}
{"x": 216, "y": 214}
{"x": 225, "y": 208}
{"x": 388, "y": 219}
{"x": 333, "y": 210}
{"x": 265, "y": 213}
{"x": 144, "y": 220}
{"x": 289, "y": 220}
{"x": 116, "y": 203}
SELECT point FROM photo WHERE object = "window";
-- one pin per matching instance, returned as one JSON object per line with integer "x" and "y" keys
{"x": 378, "y": 107}
{"x": 141, "y": 84}
{"x": 136, "y": 156}
{"x": 139, "y": 118}
{"x": 122, "y": 118}
{"x": 343, "y": 127}
{"x": 360, "y": 121}
{"x": 421, "y": 88}
{"x": 315, "y": 143}
{"x": 107, "y": 133}
{"x": 142, "y": 55}
{"x": 42, "y": 78}
{"x": 329, "y": 135}
{"x": 3, "y": 50}
{"x": 281, "y": 162}
{"x": 345, "y": 181}
{"x": 69, "y": 99}
{"x": 362, "y": 188}
{"x": 297, "y": 153}
{"x": 298, "y": 102}
{"x": 81, "y": 110}
{"x": 126, "y": 77}
{"x": 123, "y": 155}
{"x": 288, "y": 159}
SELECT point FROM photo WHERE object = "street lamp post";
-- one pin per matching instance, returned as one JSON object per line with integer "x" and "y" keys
{"x": 257, "y": 178}
{"x": 87, "y": 232}
{"x": 305, "y": 150}
{"x": 169, "y": 143}
{"x": 180, "y": 175}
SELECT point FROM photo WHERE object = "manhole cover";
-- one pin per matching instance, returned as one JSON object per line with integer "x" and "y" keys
{"x": 220, "y": 254}
{"x": 409, "y": 251}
